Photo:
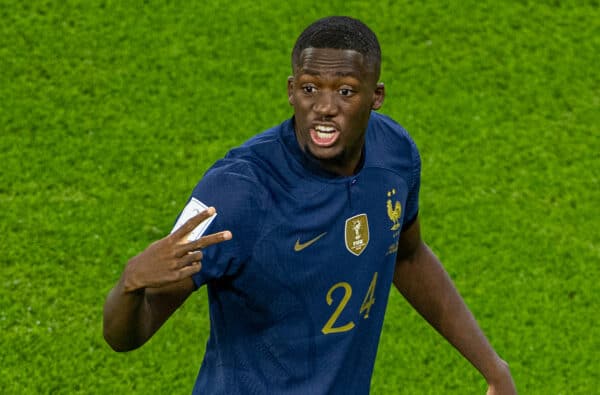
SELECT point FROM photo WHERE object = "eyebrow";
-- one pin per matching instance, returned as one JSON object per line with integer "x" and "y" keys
{"x": 316, "y": 73}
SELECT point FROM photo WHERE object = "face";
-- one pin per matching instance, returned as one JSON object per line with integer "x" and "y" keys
{"x": 333, "y": 92}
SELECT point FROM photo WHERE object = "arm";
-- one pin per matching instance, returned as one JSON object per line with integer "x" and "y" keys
{"x": 422, "y": 280}
{"x": 132, "y": 317}
{"x": 154, "y": 284}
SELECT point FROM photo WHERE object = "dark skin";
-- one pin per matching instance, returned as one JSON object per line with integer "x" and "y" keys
{"x": 154, "y": 284}
{"x": 333, "y": 92}
{"x": 423, "y": 281}
{"x": 336, "y": 89}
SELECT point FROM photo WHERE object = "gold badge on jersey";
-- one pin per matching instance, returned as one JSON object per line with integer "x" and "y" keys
{"x": 357, "y": 234}
{"x": 394, "y": 211}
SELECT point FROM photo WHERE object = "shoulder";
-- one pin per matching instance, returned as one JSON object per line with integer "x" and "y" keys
{"x": 245, "y": 173}
{"x": 241, "y": 201}
{"x": 262, "y": 147}
{"x": 386, "y": 128}
{"x": 388, "y": 144}
{"x": 248, "y": 161}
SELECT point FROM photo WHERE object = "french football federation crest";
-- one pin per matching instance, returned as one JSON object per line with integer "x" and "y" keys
{"x": 394, "y": 212}
{"x": 357, "y": 234}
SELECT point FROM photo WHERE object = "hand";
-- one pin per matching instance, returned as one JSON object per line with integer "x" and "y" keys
{"x": 503, "y": 386}
{"x": 171, "y": 258}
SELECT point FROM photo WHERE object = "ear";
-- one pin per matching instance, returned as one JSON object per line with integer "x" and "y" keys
{"x": 378, "y": 96}
{"x": 290, "y": 89}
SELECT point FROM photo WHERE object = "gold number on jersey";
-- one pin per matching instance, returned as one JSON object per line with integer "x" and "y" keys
{"x": 365, "y": 308}
{"x": 369, "y": 299}
{"x": 329, "y": 325}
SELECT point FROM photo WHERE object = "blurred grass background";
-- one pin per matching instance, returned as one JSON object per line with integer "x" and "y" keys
{"x": 111, "y": 111}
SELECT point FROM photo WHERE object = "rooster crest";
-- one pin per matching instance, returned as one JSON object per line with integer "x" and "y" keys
{"x": 394, "y": 212}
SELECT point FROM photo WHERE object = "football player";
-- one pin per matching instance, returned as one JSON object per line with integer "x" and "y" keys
{"x": 317, "y": 218}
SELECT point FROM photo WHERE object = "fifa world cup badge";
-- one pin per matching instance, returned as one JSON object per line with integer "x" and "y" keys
{"x": 357, "y": 234}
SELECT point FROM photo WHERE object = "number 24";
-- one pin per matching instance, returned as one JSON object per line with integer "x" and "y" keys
{"x": 368, "y": 301}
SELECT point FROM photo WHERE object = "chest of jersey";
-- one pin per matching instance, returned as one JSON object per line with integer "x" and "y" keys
{"x": 327, "y": 251}
{"x": 303, "y": 307}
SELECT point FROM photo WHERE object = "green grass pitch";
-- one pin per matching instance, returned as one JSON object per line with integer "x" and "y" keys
{"x": 111, "y": 111}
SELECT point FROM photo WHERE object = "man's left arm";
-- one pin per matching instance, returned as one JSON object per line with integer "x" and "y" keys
{"x": 423, "y": 281}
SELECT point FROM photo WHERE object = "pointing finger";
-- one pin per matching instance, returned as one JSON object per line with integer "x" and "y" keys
{"x": 193, "y": 222}
{"x": 206, "y": 241}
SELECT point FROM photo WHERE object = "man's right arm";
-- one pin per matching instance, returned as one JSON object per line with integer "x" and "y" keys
{"x": 131, "y": 318}
{"x": 154, "y": 284}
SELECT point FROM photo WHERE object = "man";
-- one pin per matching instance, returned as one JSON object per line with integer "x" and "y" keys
{"x": 321, "y": 215}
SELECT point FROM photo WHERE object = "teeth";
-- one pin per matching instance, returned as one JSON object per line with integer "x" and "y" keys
{"x": 324, "y": 129}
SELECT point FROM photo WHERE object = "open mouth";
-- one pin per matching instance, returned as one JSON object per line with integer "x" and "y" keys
{"x": 324, "y": 136}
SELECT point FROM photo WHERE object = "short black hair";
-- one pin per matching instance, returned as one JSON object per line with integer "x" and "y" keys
{"x": 340, "y": 32}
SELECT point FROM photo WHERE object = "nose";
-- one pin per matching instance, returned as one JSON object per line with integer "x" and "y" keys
{"x": 325, "y": 104}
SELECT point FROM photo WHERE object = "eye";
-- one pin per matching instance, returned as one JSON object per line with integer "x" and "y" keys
{"x": 346, "y": 92}
{"x": 309, "y": 88}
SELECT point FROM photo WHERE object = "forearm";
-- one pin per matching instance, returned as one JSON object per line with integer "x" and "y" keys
{"x": 132, "y": 314}
{"x": 125, "y": 318}
{"x": 426, "y": 285}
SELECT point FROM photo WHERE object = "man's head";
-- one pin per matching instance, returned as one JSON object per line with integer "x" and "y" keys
{"x": 340, "y": 32}
{"x": 333, "y": 89}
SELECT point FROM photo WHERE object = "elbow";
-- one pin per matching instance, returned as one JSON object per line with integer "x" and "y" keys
{"x": 118, "y": 342}
{"x": 119, "y": 345}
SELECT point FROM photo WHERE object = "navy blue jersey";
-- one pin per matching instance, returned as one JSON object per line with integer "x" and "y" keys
{"x": 297, "y": 297}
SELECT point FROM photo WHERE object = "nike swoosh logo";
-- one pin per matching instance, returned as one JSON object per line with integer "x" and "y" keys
{"x": 300, "y": 246}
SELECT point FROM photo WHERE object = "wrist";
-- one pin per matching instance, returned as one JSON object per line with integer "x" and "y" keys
{"x": 500, "y": 372}
{"x": 128, "y": 280}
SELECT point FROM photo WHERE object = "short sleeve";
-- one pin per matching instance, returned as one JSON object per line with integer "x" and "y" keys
{"x": 236, "y": 197}
{"x": 412, "y": 200}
